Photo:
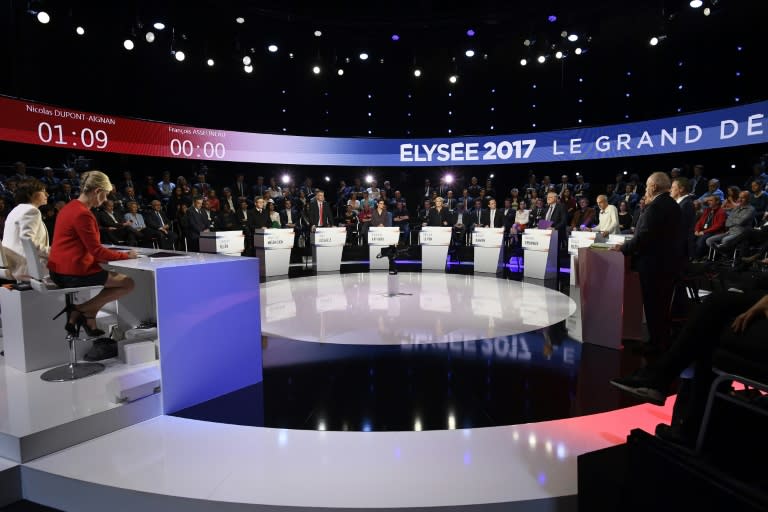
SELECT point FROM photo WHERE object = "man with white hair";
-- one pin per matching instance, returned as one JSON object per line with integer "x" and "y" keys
{"x": 608, "y": 221}
{"x": 657, "y": 255}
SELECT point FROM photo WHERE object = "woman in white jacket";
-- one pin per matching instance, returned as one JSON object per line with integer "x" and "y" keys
{"x": 25, "y": 221}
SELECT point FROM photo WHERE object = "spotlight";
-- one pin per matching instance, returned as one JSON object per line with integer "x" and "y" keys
{"x": 470, "y": 53}
{"x": 247, "y": 60}
{"x": 340, "y": 72}
{"x": 240, "y": 20}
{"x": 395, "y": 37}
{"x": 696, "y": 3}
{"x": 316, "y": 70}
{"x": 318, "y": 33}
{"x": 528, "y": 42}
{"x": 363, "y": 56}
{"x": 654, "y": 41}
{"x": 150, "y": 37}
{"x": 180, "y": 56}
{"x": 551, "y": 18}
{"x": 248, "y": 69}
{"x": 707, "y": 11}
{"x": 491, "y": 176}
{"x": 368, "y": 177}
{"x": 558, "y": 55}
{"x": 417, "y": 72}
{"x": 80, "y": 31}
{"x": 471, "y": 33}
{"x": 573, "y": 37}
{"x": 523, "y": 62}
{"x": 128, "y": 44}
{"x": 453, "y": 79}
{"x": 578, "y": 51}
{"x": 541, "y": 59}
{"x": 327, "y": 178}
{"x": 210, "y": 62}
{"x": 159, "y": 26}
{"x": 286, "y": 179}
{"x": 449, "y": 178}
{"x": 43, "y": 17}
{"x": 272, "y": 48}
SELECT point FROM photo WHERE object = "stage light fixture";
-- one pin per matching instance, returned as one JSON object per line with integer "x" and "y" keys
{"x": 159, "y": 26}
{"x": 368, "y": 177}
{"x": 316, "y": 70}
{"x": 327, "y": 178}
{"x": 707, "y": 11}
{"x": 128, "y": 44}
{"x": 449, "y": 178}
{"x": 395, "y": 37}
{"x": 551, "y": 18}
{"x": 541, "y": 59}
{"x": 733, "y": 166}
{"x": 179, "y": 55}
{"x": 696, "y": 3}
{"x": 80, "y": 31}
{"x": 272, "y": 48}
{"x": 471, "y": 33}
{"x": 210, "y": 62}
{"x": 286, "y": 179}
{"x": 417, "y": 72}
{"x": 240, "y": 20}
{"x": 523, "y": 62}
{"x": 656, "y": 40}
{"x": 453, "y": 79}
{"x": 248, "y": 69}
{"x": 491, "y": 176}
{"x": 528, "y": 42}
{"x": 318, "y": 33}
{"x": 363, "y": 56}
{"x": 470, "y": 53}
{"x": 247, "y": 60}
{"x": 578, "y": 51}
{"x": 573, "y": 37}
{"x": 558, "y": 55}
{"x": 340, "y": 72}
{"x": 43, "y": 17}
{"x": 150, "y": 37}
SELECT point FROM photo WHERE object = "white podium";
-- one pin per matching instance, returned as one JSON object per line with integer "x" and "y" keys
{"x": 327, "y": 245}
{"x": 618, "y": 239}
{"x": 434, "y": 241}
{"x": 222, "y": 242}
{"x": 540, "y": 255}
{"x": 273, "y": 248}
{"x": 378, "y": 237}
{"x": 488, "y": 244}
{"x": 577, "y": 240}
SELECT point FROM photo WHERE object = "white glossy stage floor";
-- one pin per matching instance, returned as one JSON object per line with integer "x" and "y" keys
{"x": 173, "y": 463}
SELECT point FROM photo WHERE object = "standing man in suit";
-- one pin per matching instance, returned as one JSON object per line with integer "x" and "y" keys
{"x": 197, "y": 223}
{"x": 555, "y": 213}
{"x": 681, "y": 194}
{"x": 320, "y": 215}
{"x": 657, "y": 256}
{"x": 492, "y": 217}
{"x": 261, "y": 215}
{"x": 158, "y": 226}
{"x": 698, "y": 182}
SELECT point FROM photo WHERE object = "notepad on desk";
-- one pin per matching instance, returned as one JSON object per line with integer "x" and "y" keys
{"x": 166, "y": 255}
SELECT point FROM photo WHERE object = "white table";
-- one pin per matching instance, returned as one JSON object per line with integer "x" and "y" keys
{"x": 378, "y": 237}
{"x": 434, "y": 241}
{"x": 273, "y": 248}
{"x": 488, "y": 246}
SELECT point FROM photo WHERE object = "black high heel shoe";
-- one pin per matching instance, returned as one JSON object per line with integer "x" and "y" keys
{"x": 82, "y": 321}
{"x": 71, "y": 326}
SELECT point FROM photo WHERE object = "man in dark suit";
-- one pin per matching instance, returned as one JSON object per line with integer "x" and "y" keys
{"x": 555, "y": 213}
{"x": 681, "y": 194}
{"x": 320, "y": 215}
{"x": 698, "y": 182}
{"x": 113, "y": 228}
{"x": 657, "y": 256}
{"x": 261, "y": 215}
{"x": 240, "y": 187}
{"x": 197, "y": 223}
{"x": 492, "y": 217}
{"x": 159, "y": 227}
{"x": 288, "y": 216}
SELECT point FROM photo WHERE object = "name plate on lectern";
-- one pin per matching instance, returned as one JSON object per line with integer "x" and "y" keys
{"x": 273, "y": 238}
{"x": 222, "y": 242}
{"x": 329, "y": 237}
{"x": 580, "y": 239}
{"x": 488, "y": 237}
{"x": 537, "y": 239}
{"x": 380, "y": 235}
{"x": 435, "y": 235}
{"x": 618, "y": 239}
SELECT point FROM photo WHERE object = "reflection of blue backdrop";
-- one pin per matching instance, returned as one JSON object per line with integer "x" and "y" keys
{"x": 737, "y": 126}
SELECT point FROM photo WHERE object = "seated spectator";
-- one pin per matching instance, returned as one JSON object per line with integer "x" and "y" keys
{"x": 462, "y": 224}
{"x": 759, "y": 200}
{"x": 274, "y": 216}
{"x": 630, "y": 197}
{"x": 226, "y": 220}
{"x": 637, "y": 212}
{"x": 537, "y": 212}
{"x": 136, "y": 222}
{"x": 695, "y": 345}
{"x": 50, "y": 181}
{"x": 584, "y": 217}
{"x": 581, "y": 187}
{"x": 213, "y": 202}
{"x": 289, "y": 217}
{"x": 713, "y": 188}
{"x": 165, "y": 187}
{"x": 710, "y": 223}
{"x": 521, "y": 220}
{"x": 731, "y": 198}
{"x": 402, "y": 219}
{"x": 159, "y": 227}
{"x": 113, "y": 228}
{"x": 740, "y": 220}
{"x": 570, "y": 204}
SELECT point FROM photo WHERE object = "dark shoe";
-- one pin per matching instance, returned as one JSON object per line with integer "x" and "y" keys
{"x": 72, "y": 318}
{"x": 644, "y": 386}
{"x": 92, "y": 332}
{"x": 674, "y": 434}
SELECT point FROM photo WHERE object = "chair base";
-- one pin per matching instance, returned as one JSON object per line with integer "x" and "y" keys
{"x": 72, "y": 371}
